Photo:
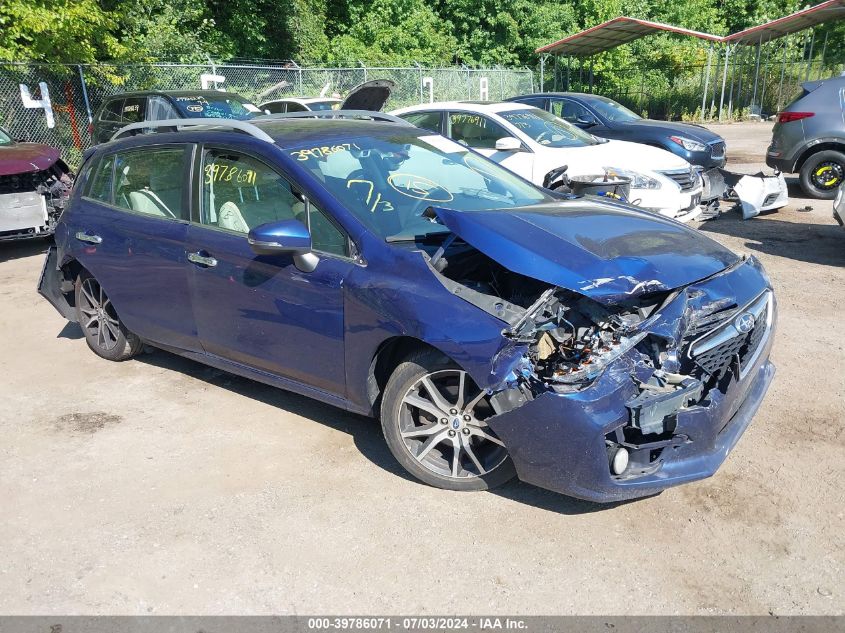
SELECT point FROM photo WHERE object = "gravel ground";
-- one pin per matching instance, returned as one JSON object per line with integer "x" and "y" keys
{"x": 159, "y": 486}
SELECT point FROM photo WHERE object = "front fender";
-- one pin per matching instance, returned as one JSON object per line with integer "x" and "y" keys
{"x": 378, "y": 309}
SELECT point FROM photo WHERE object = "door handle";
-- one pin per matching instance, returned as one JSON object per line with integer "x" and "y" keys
{"x": 202, "y": 260}
{"x": 82, "y": 236}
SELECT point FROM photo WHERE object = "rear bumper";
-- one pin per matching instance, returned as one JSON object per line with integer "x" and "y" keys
{"x": 785, "y": 165}
{"x": 52, "y": 285}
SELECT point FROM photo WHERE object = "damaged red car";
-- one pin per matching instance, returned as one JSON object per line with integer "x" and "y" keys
{"x": 35, "y": 185}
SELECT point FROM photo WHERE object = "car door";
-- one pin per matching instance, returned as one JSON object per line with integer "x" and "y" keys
{"x": 480, "y": 133}
{"x": 131, "y": 238}
{"x": 262, "y": 311}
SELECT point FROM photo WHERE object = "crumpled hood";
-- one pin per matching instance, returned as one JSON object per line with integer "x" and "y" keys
{"x": 22, "y": 158}
{"x": 606, "y": 251}
{"x": 622, "y": 155}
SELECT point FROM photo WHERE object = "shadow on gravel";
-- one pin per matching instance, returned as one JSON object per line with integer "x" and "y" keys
{"x": 17, "y": 249}
{"x": 814, "y": 243}
{"x": 365, "y": 432}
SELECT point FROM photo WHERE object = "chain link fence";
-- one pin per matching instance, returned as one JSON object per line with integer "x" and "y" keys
{"x": 54, "y": 104}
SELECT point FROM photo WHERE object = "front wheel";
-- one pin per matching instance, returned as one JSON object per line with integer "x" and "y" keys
{"x": 434, "y": 420}
{"x": 822, "y": 173}
{"x": 104, "y": 332}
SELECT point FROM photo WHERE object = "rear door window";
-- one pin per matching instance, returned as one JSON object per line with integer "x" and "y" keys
{"x": 569, "y": 110}
{"x": 148, "y": 180}
{"x": 276, "y": 108}
{"x": 537, "y": 102}
{"x": 474, "y": 130}
{"x": 134, "y": 109}
{"x": 112, "y": 110}
{"x": 426, "y": 120}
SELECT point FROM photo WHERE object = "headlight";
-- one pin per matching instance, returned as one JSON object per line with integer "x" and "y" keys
{"x": 638, "y": 180}
{"x": 595, "y": 362}
{"x": 689, "y": 144}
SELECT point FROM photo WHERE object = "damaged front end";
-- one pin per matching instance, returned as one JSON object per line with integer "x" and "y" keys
{"x": 608, "y": 400}
{"x": 31, "y": 202}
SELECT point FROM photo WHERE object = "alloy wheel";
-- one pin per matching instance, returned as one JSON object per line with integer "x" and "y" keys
{"x": 442, "y": 425}
{"x": 101, "y": 324}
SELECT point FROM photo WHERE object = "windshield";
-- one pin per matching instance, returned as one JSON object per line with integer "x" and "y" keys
{"x": 5, "y": 139}
{"x": 324, "y": 105}
{"x": 388, "y": 183}
{"x": 613, "y": 111}
{"x": 225, "y": 106}
{"x": 547, "y": 129}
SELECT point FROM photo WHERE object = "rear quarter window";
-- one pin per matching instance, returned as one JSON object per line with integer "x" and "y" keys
{"x": 112, "y": 110}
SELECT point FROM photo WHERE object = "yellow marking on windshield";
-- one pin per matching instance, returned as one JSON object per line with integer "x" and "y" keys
{"x": 322, "y": 151}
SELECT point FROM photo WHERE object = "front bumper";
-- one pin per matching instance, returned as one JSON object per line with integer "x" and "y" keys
{"x": 557, "y": 440}
{"x": 23, "y": 215}
{"x": 670, "y": 201}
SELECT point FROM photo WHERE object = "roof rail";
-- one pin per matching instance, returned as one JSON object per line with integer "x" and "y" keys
{"x": 334, "y": 114}
{"x": 234, "y": 124}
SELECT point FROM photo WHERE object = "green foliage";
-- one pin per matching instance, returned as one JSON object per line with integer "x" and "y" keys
{"x": 391, "y": 31}
{"x": 58, "y": 31}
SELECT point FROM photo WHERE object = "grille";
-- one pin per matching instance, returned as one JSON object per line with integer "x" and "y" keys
{"x": 717, "y": 150}
{"x": 736, "y": 350}
{"x": 686, "y": 178}
{"x": 19, "y": 183}
{"x": 720, "y": 360}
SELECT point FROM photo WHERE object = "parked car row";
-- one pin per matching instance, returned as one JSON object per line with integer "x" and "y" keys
{"x": 536, "y": 136}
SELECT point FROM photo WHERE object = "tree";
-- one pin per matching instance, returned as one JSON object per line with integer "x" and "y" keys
{"x": 57, "y": 31}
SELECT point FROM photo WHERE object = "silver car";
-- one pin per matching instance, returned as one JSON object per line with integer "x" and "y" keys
{"x": 809, "y": 138}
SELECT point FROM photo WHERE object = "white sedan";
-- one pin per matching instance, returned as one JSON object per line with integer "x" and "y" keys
{"x": 532, "y": 143}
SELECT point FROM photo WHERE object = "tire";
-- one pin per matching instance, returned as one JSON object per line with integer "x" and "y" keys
{"x": 822, "y": 173}
{"x": 454, "y": 449}
{"x": 104, "y": 331}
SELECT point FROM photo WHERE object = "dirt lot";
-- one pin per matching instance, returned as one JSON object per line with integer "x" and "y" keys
{"x": 161, "y": 486}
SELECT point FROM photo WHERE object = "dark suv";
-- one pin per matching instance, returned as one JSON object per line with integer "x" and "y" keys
{"x": 494, "y": 327}
{"x": 809, "y": 138}
{"x": 134, "y": 107}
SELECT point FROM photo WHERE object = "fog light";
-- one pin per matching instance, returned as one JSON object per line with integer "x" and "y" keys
{"x": 620, "y": 461}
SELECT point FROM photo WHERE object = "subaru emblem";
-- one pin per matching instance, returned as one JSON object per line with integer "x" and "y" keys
{"x": 456, "y": 424}
{"x": 744, "y": 323}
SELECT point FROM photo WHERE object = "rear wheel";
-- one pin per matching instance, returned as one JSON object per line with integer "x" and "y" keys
{"x": 434, "y": 420}
{"x": 822, "y": 173}
{"x": 104, "y": 332}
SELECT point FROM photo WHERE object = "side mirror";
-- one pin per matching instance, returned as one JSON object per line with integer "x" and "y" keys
{"x": 508, "y": 144}
{"x": 586, "y": 120}
{"x": 285, "y": 237}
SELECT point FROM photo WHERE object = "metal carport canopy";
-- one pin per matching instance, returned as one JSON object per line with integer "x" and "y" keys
{"x": 825, "y": 12}
{"x": 610, "y": 34}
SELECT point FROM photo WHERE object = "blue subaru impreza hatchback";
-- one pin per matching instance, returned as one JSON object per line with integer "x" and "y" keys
{"x": 496, "y": 329}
